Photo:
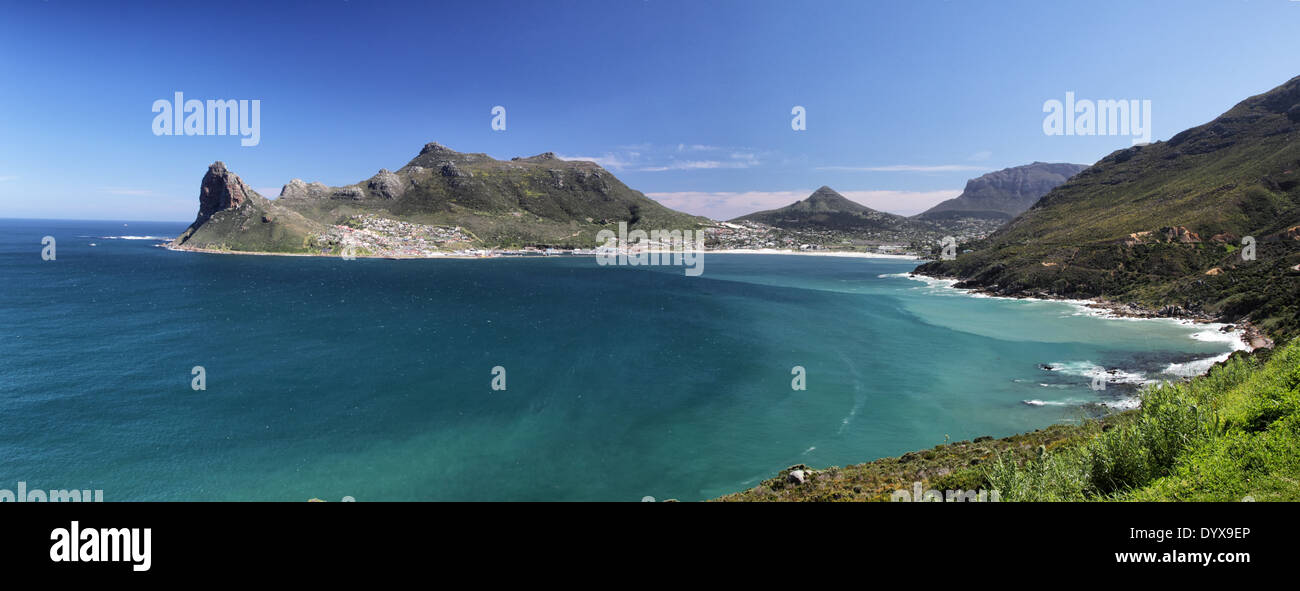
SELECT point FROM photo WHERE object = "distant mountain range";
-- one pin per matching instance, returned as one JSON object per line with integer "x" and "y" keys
{"x": 1169, "y": 226}
{"x": 539, "y": 200}
{"x": 473, "y": 200}
{"x": 987, "y": 202}
{"x": 1004, "y": 194}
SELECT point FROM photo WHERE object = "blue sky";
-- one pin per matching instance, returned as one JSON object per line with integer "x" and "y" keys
{"x": 688, "y": 101}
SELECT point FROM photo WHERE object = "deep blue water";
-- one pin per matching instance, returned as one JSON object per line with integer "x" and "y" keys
{"x": 371, "y": 378}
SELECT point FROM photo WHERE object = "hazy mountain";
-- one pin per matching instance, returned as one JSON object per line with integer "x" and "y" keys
{"x": 826, "y": 209}
{"x": 1003, "y": 194}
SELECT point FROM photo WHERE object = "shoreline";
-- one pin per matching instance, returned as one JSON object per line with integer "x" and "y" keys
{"x": 821, "y": 253}
{"x": 175, "y": 248}
{"x": 491, "y": 255}
{"x": 1249, "y": 336}
{"x": 951, "y": 464}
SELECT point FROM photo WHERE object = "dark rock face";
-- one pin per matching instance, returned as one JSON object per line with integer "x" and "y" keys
{"x": 221, "y": 190}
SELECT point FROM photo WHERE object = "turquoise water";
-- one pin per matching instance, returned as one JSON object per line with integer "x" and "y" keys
{"x": 372, "y": 378}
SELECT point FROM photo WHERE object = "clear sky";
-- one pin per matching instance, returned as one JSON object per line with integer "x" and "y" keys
{"x": 689, "y": 101}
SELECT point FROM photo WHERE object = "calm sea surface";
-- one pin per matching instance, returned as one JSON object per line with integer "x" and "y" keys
{"x": 372, "y": 378}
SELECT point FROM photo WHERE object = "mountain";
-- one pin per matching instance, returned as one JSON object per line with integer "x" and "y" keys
{"x": 1003, "y": 194}
{"x": 1167, "y": 226}
{"x": 458, "y": 198}
{"x": 825, "y": 209}
{"x": 234, "y": 217}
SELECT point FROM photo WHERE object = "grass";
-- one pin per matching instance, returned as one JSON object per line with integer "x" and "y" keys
{"x": 1230, "y": 435}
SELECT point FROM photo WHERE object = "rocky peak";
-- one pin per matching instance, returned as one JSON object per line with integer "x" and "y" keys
{"x": 297, "y": 189}
{"x": 221, "y": 190}
{"x": 386, "y": 184}
{"x": 436, "y": 148}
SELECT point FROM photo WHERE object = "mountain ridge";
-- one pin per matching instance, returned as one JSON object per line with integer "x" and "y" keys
{"x": 537, "y": 200}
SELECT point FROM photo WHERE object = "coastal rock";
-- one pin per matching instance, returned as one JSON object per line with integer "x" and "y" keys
{"x": 797, "y": 477}
{"x": 221, "y": 190}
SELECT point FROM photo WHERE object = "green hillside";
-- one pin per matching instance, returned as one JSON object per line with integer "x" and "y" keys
{"x": 1162, "y": 225}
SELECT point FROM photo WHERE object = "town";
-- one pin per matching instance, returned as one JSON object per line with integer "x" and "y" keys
{"x": 371, "y": 235}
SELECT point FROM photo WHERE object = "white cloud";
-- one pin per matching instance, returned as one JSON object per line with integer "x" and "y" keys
{"x": 610, "y": 161}
{"x": 651, "y": 158}
{"x": 698, "y": 165}
{"x": 724, "y": 205}
{"x": 268, "y": 192}
{"x": 907, "y": 168}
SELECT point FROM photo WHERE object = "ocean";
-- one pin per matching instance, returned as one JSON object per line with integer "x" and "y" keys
{"x": 373, "y": 379}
